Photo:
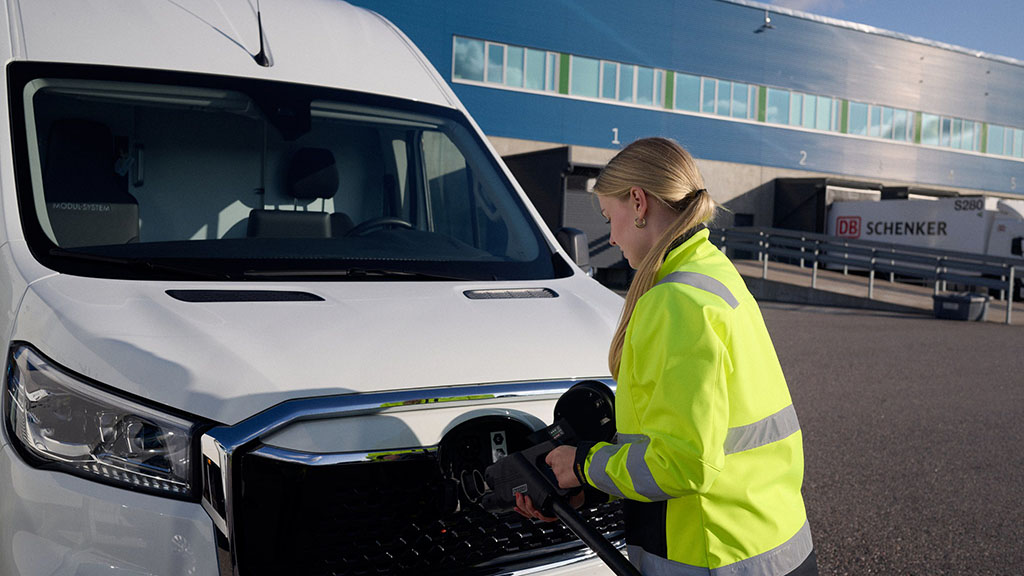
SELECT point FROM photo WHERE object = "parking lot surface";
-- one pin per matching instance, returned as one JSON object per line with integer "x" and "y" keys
{"x": 914, "y": 439}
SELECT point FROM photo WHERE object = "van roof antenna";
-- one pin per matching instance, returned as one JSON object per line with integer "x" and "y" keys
{"x": 261, "y": 57}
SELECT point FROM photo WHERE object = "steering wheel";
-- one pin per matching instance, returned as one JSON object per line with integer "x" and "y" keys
{"x": 379, "y": 222}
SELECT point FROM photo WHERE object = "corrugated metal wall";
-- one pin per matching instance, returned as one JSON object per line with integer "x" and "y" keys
{"x": 720, "y": 39}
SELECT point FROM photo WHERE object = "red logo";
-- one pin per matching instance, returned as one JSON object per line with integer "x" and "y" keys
{"x": 848, "y": 226}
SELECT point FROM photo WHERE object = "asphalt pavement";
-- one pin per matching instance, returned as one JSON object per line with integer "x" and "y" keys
{"x": 913, "y": 436}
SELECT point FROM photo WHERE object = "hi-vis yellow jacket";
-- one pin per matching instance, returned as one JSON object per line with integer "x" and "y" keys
{"x": 709, "y": 453}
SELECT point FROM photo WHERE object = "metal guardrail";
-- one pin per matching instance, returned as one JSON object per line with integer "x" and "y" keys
{"x": 927, "y": 264}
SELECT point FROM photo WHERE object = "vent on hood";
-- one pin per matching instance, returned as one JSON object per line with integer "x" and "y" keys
{"x": 243, "y": 296}
{"x": 501, "y": 294}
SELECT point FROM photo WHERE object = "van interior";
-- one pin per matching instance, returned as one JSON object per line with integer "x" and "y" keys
{"x": 281, "y": 181}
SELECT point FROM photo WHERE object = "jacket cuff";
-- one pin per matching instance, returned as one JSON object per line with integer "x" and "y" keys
{"x": 579, "y": 466}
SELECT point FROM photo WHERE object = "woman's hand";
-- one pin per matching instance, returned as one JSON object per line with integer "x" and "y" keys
{"x": 525, "y": 506}
{"x": 561, "y": 460}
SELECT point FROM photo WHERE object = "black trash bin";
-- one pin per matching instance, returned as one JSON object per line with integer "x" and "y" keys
{"x": 966, "y": 306}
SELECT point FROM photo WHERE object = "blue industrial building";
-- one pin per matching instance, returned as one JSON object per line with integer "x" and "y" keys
{"x": 755, "y": 92}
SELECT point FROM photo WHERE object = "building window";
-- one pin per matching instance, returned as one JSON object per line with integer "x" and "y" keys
{"x": 809, "y": 112}
{"x": 930, "y": 129}
{"x": 469, "y": 59}
{"x": 723, "y": 100}
{"x": 609, "y": 79}
{"x": 687, "y": 92}
{"x": 874, "y": 121}
{"x": 520, "y": 67}
{"x": 644, "y": 86}
{"x": 777, "y": 108}
{"x": 899, "y": 125}
{"x": 954, "y": 133}
{"x": 514, "y": 67}
{"x": 858, "y": 119}
{"x": 944, "y": 134}
{"x": 972, "y": 134}
{"x": 495, "y": 63}
{"x": 885, "y": 127}
{"x": 626, "y": 74}
{"x": 584, "y": 76}
{"x": 553, "y": 72}
{"x": 533, "y": 75}
{"x": 709, "y": 93}
{"x": 659, "y": 88}
{"x": 969, "y": 135}
{"x": 823, "y": 114}
{"x": 996, "y": 139}
{"x": 740, "y": 100}
{"x": 796, "y": 108}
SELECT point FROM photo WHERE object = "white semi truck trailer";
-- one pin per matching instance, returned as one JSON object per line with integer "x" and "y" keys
{"x": 976, "y": 224}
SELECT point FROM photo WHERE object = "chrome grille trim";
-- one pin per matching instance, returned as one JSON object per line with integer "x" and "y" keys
{"x": 220, "y": 445}
{"x": 324, "y": 459}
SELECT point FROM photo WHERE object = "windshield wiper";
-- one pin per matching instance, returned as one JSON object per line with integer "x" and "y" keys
{"x": 354, "y": 273}
{"x": 140, "y": 264}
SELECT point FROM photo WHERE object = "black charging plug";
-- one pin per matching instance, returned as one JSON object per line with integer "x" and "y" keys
{"x": 525, "y": 473}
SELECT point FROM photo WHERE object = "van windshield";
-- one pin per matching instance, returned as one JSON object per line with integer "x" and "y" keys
{"x": 135, "y": 174}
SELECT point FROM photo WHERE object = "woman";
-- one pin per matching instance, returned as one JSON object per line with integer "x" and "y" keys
{"x": 709, "y": 455}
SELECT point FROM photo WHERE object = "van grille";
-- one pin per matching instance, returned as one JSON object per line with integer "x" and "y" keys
{"x": 382, "y": 518}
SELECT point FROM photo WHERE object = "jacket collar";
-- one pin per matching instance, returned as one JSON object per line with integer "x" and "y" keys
{"x": 683, "y": 249}
{"x": 685, "y": 238}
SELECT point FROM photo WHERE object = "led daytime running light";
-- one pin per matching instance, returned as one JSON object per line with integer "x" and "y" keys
{"x": 63, "y": 422}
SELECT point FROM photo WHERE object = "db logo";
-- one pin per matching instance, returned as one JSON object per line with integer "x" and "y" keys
{"x": 848, "y": 226}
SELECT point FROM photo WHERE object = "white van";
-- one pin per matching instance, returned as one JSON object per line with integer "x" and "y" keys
{"x": 267, "y": 296}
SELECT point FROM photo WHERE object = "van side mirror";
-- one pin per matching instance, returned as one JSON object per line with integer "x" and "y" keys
{"x": 1015, "y": 246}
{"x": 574, "y": 241}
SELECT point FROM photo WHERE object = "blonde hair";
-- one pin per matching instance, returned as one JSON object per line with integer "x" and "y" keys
{"x": 666, "y": 171}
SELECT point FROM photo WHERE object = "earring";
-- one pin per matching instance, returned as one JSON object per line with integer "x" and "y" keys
{"x": 639, "y": 222}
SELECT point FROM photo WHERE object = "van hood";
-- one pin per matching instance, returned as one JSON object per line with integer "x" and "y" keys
{"x": 228, "y": 360}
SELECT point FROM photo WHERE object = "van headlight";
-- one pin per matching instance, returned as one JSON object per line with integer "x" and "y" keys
{"x": 59, "y": 421}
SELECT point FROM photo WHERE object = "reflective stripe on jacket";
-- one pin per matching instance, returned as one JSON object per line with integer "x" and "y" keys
{"x": 709, "y": 453}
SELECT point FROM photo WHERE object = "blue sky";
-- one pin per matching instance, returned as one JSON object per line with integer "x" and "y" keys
{"x": 993, "y": 26}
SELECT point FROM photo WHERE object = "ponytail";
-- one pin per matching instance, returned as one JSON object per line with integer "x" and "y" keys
{"x": 663, "y": 169}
